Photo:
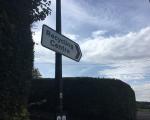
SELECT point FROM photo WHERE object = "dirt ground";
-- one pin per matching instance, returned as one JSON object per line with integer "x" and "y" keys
{"x": 143, "y": 115}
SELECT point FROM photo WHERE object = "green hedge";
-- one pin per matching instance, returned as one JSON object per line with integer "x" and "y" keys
{"x": 16, "y": 54}
{"x": 86, "y": 98}
{"x": 16, "y": 59}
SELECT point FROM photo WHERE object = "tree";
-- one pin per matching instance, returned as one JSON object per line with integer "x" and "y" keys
{"x": 16, "y": 54}
{"x": 36, "y": 74}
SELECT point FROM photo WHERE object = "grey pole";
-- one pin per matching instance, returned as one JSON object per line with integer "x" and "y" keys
{"x": 58, "y": 63}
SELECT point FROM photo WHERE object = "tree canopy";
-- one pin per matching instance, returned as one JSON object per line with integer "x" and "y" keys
{"x": 36, "y": 74}
{"x": 36, "y": 10}
{"x": 40, "y": 9}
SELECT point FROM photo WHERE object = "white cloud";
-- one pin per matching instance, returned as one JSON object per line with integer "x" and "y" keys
{"x": 134, "y": 45}
{"x": 113, "y": 15}
{"x": 75, "y": 14}
{"x": 98, "y": 33}
{"x": 71, "y": 36}
{"x": 128, "y": 56}
{"x": 128, "y": 70}
{"x": 142, "y": 91}
{"x": 71, "y": 9}
{"x": 41, "y": 54}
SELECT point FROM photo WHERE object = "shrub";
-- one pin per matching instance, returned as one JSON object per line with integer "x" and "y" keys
{"x": 87, "y": 98}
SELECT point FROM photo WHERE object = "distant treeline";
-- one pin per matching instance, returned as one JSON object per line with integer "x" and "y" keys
{"x": 84, "y": 99}
{"x": 143, "y": 105}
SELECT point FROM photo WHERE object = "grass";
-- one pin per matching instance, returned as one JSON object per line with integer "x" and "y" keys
{"x": 143, "y": 110}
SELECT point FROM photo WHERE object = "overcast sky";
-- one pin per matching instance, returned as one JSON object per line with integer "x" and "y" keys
{"x": 114, "y": 36}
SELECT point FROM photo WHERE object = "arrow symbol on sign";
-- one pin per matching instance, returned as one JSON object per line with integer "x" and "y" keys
{"x": 78, "y": 51}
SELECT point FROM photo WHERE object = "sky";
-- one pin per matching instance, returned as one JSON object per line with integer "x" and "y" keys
{"x": 114, "y": 36}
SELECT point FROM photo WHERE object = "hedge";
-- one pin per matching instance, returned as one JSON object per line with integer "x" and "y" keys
{"x": 85, "y": 98}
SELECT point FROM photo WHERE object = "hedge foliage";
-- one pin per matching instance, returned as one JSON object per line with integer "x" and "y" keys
{"x": 86, "y": 99}
{"x": 16, "y": 55}
{"x": 16, "y": 61}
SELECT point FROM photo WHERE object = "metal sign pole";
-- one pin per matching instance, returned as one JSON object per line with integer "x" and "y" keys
{"x": 58, "y": 62}
{"x": 62, "y": 45}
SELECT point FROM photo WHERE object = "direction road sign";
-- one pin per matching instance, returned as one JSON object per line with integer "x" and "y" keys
{"x": 59, "y": 43}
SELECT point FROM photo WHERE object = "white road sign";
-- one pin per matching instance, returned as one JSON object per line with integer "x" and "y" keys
{"x": 59, "y": 43}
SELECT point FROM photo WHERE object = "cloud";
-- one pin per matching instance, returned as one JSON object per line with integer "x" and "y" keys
{"x": 134, "y": 45}
{"x": 127, "y": 70}
{"x": 83, "y": 17}
{"x": 127, "y": 57}
{"x": 98, "y": 33}
{"x": 115, "y": 16}
{"x": 74, "y": 11}
{"x": 71, "y": 36}
{"x": 142, "y": 91}
{"x": 41, "y": 54}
